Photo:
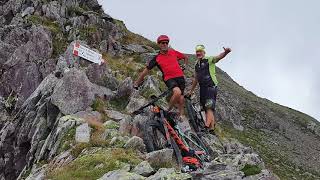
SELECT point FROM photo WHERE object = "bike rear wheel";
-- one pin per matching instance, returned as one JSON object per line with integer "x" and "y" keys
{"x": 192, "y": 116}
{"x": 195, "y": 143}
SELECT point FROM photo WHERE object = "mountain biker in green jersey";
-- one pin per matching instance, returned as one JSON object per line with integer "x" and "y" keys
{"x": 205, "y": 76}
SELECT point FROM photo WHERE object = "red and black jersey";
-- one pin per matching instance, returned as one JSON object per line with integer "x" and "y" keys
{"x": 168, "y": 64}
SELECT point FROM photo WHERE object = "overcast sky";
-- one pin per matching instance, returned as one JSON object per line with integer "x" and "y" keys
{"x": 276, "y": 44}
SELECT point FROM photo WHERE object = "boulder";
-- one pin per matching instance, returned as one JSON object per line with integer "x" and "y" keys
{"x": 83, "y": 133}
{"x": 116, "y": 115}
{"x": 125, "y": 88}
{"x": 135, "y": 143}
{"x": 169, "y": 174}
{"x": 71, "y": 96}
{"x": 121, "y": 174}
{"x": 160, "y": 157}
{"x": 143, "y": 169}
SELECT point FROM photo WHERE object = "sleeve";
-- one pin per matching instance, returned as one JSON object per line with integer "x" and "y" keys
{"x": 212, "y": 59}
{"x": 179, "y": 55}
{"x": 152, "y": 63}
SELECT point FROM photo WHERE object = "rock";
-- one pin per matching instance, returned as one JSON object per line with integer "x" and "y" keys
{"x": 37, "y": 174}
{"x": 251, "y": 159}
{"x": 61, "y": 160}
{"x": 102, "y": 76}
{"x": 223, "y": 175}
{"x": 135, "y": 103}
{"x": 214, "y": 143}
{"x": 118, "y": 141}
{"x": 6, "y": 51}
{"x": 143, "y": 169}
{"x": 53, "y": 10}
{"x": 83, "y": 133}
{"x": 264, "y": 175}
{"x": 71, "y": 96}
{"x": 139, "y": 123}
{"x": 125, "y": 88}
{"x": 89, "y": 116}
{"x": 28, "y": 11}
{"x": 21, "y": 70}
{"x": 121, "y": 174}
{"x": 232, "y": 146}
{"x": 111, "y": 124}
{"x": 116, "y": 115}
{"x": 160, "y": 157}
{"x": 68, "y": 60}
{"x": 151, "y": 85}
{"x": 169, "y": 174}
{"x": 135, "y": 48}
{"x": 136, "y": 143}
{"x": 125, "y": 126}
{"x": 109, "y": 133}
{"x": 162, "y": 173}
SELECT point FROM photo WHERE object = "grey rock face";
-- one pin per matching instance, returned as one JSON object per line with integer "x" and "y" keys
{"x": 27, "y": 11}
{"x": 163, "y": 156}
{"x": 121, "y": 174}
{"x": 116, "y": 115}
{"x": 71, "y": 97}
{"x": 37, "y": 174}
{"x": 53, "y": 10}
{"x": 22, "y": 138}
{"x": 22, "y": 70}
{"x": 143, "y": 169}
{"x": 125, "y": 88}
{"x": 83, "y": 133}
{"x": 101, "y": 75}
{"x": 136, "y": 143}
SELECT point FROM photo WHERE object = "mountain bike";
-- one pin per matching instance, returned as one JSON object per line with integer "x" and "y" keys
{"x": 196, "y": 119}
{"x": 162, "y": 131}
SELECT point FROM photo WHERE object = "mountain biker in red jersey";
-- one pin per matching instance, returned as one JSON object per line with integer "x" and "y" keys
{"x": 205, "y": 76}
{"x": 167, "y": 61}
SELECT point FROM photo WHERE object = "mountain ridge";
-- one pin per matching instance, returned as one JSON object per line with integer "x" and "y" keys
{"x": 43, "y": 104}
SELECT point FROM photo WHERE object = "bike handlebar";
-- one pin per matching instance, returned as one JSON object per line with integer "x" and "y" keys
{"x": 155, "y": 99}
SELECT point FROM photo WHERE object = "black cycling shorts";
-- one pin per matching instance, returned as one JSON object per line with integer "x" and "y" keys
{"x": 176, "y": 82}
{"x": 208, "y": 97}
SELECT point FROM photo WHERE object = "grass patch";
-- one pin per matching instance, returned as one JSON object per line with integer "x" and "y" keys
{"x": 67, "y": 140}
{"x": 124, "y": 66}
{"x": 87, "y": 32}
{"x": 250, "y": 170}
{"x": 84, "y": 167}
{"x": 273, "y": 157}
{"x": 119, "y": 103}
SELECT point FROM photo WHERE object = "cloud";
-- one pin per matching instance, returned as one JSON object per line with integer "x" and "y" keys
{"x": 275, "y": 43}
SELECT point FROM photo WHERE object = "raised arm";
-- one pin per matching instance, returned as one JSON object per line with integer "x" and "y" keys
{"x": 223, "y": 54}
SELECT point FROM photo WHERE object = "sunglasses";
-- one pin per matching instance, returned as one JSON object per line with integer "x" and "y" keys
{"x": 164, "y": 42}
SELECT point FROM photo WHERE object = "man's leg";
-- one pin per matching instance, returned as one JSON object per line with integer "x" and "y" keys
{"x": 210, "y": 120}
{"x": 175, "y": 98}
{"x": 181, "y": 105}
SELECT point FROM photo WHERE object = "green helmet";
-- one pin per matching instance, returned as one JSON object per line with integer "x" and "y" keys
{"x": 200, "y": 48}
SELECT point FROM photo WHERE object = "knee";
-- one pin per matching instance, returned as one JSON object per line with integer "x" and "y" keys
{"x": 176, "y": 91}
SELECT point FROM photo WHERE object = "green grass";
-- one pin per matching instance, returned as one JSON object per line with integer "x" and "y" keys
{"x": 67, "y": 140}
{"x": 83, "y": 168}
{"x": 277, "y": 162}
{"x": 250, "y": 170}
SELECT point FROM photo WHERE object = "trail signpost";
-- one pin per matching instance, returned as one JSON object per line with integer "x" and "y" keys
{"x": 86, "y": 53}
